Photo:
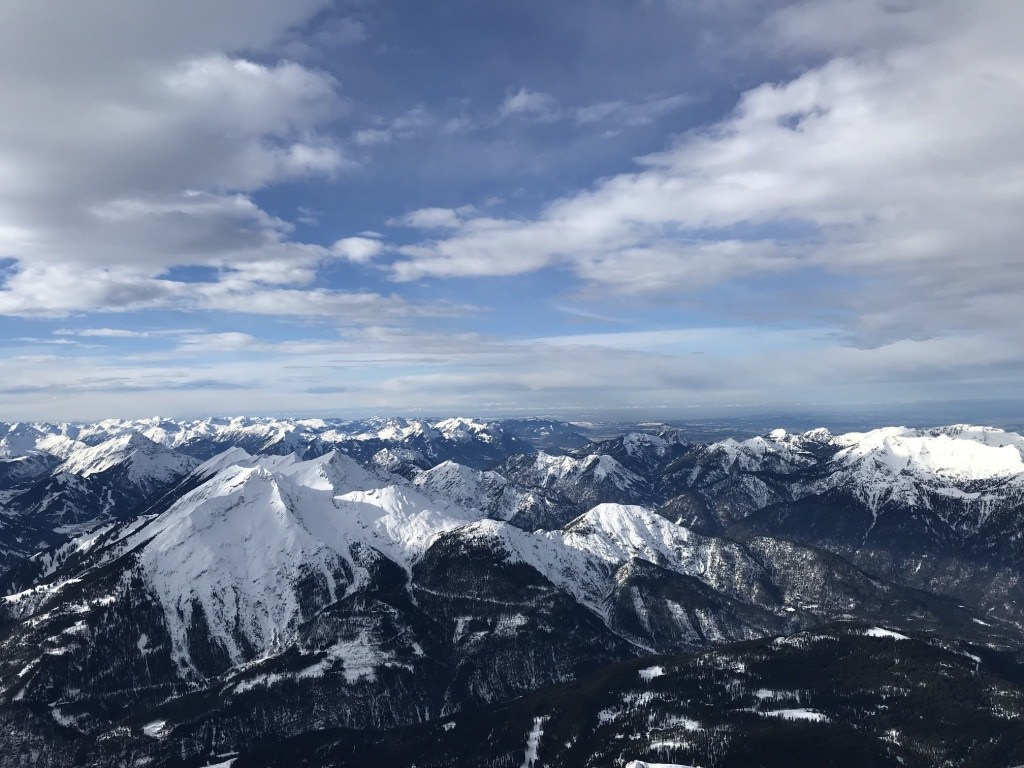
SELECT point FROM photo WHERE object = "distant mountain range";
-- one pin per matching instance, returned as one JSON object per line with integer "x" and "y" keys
{"x": 227, "y": 590}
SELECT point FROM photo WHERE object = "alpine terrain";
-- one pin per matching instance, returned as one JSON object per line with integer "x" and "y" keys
{"x": 522, "y": 592}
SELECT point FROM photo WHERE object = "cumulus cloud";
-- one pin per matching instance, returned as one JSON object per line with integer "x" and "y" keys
{"x": 132, "y": 142}
{"x": 357, "y": 249}
{"x": 869, "y": 203}
{"x": 897, "y": 167}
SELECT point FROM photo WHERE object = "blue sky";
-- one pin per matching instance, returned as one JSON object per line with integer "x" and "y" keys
{"x": 508, "y": 207}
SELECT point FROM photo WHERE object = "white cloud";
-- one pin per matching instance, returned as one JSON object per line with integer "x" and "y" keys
{"x": 369, "y": 137}
{"x": 543, "y": 107}
{"x": 131, "y": 141}
{"x": 273, "y": 288}
{"x": 205, "y": 343}
{"x": 533, "y": 104}
{"x": 357, "y": 249}
{"x": 397, "y": 369}
{"x": 434, "y": 218}
{"x": 898, "y": 168}
{"x": 57, "y": 290}
{"x": 880, "y": 186}
{"x": 842, "y": 27}
{"x": 108, "y": 333}
{"x": 386, "y": 130}
{"x": 631, "y": 113}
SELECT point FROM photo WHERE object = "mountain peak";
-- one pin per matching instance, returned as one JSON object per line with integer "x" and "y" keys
{"x": 146, "y": 460}
{"x": 961, "y": 454}
{"x": 461, "y": 428}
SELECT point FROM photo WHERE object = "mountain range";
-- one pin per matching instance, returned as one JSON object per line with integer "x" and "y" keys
{"x": 244, "y": 591}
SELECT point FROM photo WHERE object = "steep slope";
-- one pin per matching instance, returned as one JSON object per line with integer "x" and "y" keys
{"x": 94, "y": 485}
{"x": 581, "y": 481}
{"x": 643, "y": 453}
{"x": 111, "y": 480}
{"x": 264, "y": 536}
{"x": 711, "y": 486}
{"x": 367, "y": 579}
{"x": 23, "y": 470}
{"x": 317, "y": 593}
{"x": 939, "y": 509}
{"x": 21, "y": 439}
{"x": 960, "y": 481}
{"x": 237, "y": 563}
{"x": 491, "y": 493}
{"x": 848, "y": 697}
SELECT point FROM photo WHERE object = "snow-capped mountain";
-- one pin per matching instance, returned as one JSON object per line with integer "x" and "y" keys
{"x": 18, "y": 440}
{"x": 473, "y": 489}
{"x": 110, "y": 480}
{"x": 468, "y": 440}
{"x": 644, "y": 453}
{"x": 528, "y": 507}
{"x": 940, "y": 509}
{"x": 885, "y": 468}
{"x": 581, "y": 480}
{"x": 265, "y": 536}
{"x": 714, "y": 485}
{"x": 143, "y": 463}
{"x": 908, "y": 467}
{"x": 319, "y": 574}
{"x": 114, "y": 480}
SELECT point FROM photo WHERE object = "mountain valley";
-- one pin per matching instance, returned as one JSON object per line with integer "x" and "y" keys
{"x": 197, "y": 593}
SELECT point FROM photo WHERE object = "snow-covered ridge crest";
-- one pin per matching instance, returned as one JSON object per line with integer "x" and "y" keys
{"x": 462, "y": 429}
{"x": 468, "y": 487}
{"x": 918, "y": 467}
{"x": 145, "y": 460}
{"x": 18, "y": 439}
{"x": 240, "y": 546}
{"x": 584, "y": 557}
{"x": 960, "y": 453}
{"x": 779, "y": 448}
{"x": 551, "y": 470}
{"x": 22, "y": 439}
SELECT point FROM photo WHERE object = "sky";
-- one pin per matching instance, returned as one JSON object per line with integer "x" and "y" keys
{"x": 514, "y": 206}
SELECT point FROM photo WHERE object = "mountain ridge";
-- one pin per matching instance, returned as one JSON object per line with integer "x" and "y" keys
{"x": 302, "y": 588}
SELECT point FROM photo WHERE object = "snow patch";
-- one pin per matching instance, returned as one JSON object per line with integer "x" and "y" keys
{"x": 650, "y": 673}
{"x": 156, "y": 730}
{"x": 880, "y": 632}
{"x": 796, "y": 714}
{"x": 533, "y": 742}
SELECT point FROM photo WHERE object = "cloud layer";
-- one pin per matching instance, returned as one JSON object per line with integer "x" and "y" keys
{"x": 894, "y": 163}
{"x": 238, "y": 205}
